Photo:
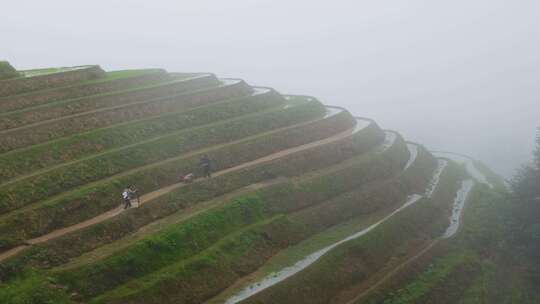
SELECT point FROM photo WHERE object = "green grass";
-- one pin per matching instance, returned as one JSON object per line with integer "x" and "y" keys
{"x": 71, "y": 125}
{"x": 354, "y": 261}
{"x": 32, "y": 288}
{"x": 34, "y": 80}
{"x": 96, "y": 167}
{"x": 214, "y": 268}
{"x": 190, "y": 237}
{"x": 318, "y": 241}
{"x": 478, "y": 265}
{"x": 7, "y": 71}
{"x": 112, "y": 81}
{"x": 438, "y": 271}
{"x": 58, "y": 251}
{"x": 103, "y": 195}
{"x": 60, "y": 108}
{"x": 270, "y": 166}
{"x": 109, "y": 76}
{"x": 37, "y": 157}
{"x": 173, "y": 244}
{"x": 62, "y": 103}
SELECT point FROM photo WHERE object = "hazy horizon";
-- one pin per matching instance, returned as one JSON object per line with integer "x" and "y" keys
{"x": 458, "y": 76}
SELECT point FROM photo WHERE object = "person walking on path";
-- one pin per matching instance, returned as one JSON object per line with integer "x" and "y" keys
{"x": 206, "y": 165}
{"x": 127, "y": 195}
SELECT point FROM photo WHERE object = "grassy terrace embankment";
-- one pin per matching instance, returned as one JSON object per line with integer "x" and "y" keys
{"x": 362, "y": 205}
{"x": 141, "y": 154}
{"x": 342, "y": 270}
{"x": 298, "y": 162}
{"x": 263, "y": 205}
{"x": 48, "y": 78}
{"x": 290, "y": 176}
{"x": 38, "y": 157}
{"x": 52, "y": 110}
{"x": 475, "y": 266}
{"x": 248, "y": 249}
{"x": 74, "y": 124}
{"x": 112, "y": 81}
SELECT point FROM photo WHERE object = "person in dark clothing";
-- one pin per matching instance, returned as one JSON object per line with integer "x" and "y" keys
{"x": 127, "y": 195}
{"x": 206, "y": 165}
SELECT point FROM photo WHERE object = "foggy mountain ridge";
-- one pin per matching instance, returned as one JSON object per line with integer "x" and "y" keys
{"x": 460, "y": 76}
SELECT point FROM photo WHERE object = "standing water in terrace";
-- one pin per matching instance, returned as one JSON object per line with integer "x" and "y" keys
{"x": 413, "y": 150}
{"x": 330, "y": 111}
{"x": 441, "y": 164}
{"x": 469, "y": 165}
{"x": 287, "y": 272}
{"x": 459, "y": 203}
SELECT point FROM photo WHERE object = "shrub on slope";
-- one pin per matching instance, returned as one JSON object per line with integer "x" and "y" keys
{"x": 7, "y": 71}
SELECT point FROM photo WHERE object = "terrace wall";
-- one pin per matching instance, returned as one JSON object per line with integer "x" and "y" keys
{"x": 99, "y": 102}
{"x": 26, "y": 84}
{"x": 60, "y": 250}
{"x": 17, "y": 102}
{"x": 49, "y": 130}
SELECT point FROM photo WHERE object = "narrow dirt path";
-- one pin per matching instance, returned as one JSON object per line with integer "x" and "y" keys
{"x": 152, "y": 195}
{"x": 160, "y": 224}
{"x": 151, "y": 165}
{"x": 128, "y": 146}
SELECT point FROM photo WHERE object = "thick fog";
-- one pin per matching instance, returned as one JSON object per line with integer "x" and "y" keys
{"x": 457, "y": 75}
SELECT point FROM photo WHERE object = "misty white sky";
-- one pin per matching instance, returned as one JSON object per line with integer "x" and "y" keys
{"x": 454, "y": 75}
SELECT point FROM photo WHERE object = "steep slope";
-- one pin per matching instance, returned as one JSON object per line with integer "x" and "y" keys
{"x": 306, "y": 203}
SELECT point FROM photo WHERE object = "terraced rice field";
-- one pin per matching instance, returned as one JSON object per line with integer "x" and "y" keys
{"x": 306, "y": 203}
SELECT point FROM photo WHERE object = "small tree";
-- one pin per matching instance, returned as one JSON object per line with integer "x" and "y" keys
{"x": 526, "y": 183}
{"x": 537, "y": 151}
{"x": 7, "y": 71}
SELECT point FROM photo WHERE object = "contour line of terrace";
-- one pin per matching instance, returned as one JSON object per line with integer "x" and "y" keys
{"x": 222, "y": 84}
{"x": 137, "y": 75}
{"x": 201, "y": 207}
{"x": 152, "y": 195}
{"x": 162, "y": 84}
{"x": 256, "y": 91}
{"x": 286, "y": 272}
{"x": 41, "y": 73}
{"x": 37, "y": 204}
{"x": 458, "y": 204}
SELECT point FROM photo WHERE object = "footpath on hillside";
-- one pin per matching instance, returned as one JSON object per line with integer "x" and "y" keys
{"x": 153, "y": 195}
